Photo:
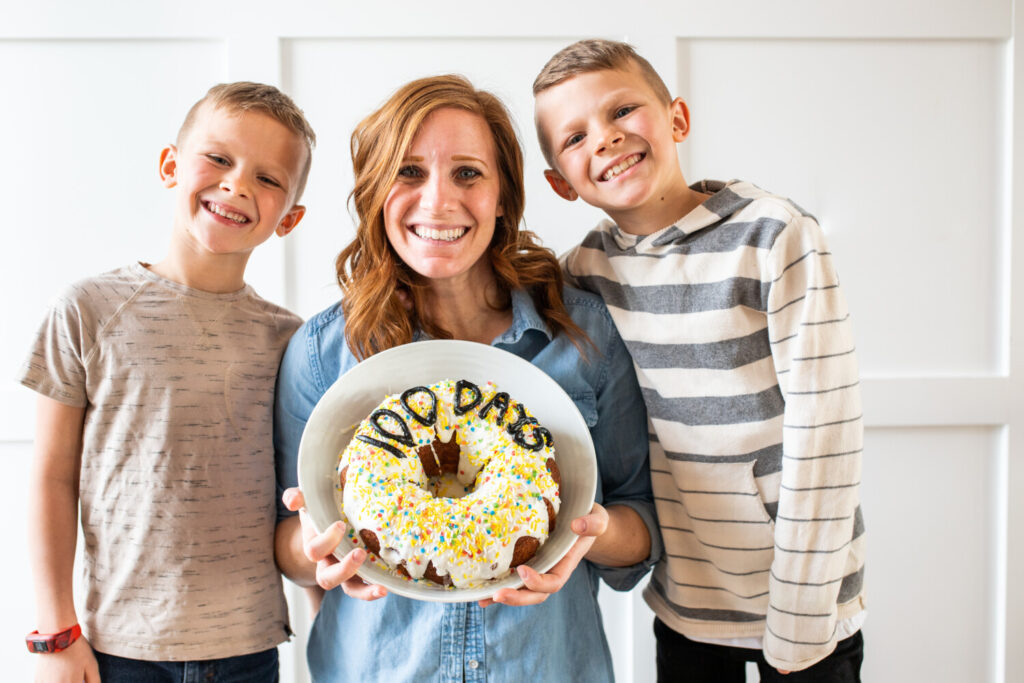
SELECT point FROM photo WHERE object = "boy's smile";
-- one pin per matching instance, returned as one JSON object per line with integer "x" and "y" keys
{"x": 225, "y": 212}
{"x": 612, "y": 142}
{"x": 236, "y": 175}
{"x": 618, "y": 168}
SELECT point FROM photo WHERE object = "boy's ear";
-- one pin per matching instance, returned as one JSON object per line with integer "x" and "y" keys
{"x": 290, "y": 220}
{"x": 559, "y": 184}
{"x": 169, "y": 166}
{"x": 680, "y": 114}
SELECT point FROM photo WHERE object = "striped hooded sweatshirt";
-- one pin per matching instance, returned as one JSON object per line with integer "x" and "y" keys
{"x": 742, "y": 342}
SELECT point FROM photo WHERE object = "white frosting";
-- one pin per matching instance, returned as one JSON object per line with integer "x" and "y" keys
{"x": 496, "y": 497}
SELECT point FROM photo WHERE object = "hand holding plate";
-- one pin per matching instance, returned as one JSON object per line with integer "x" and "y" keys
{"x": 331, "y": 572}
{"x": 537, "y": 587}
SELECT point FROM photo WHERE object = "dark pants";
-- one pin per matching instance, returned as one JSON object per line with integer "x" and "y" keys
{"x": 683, "y": 660}
{"x": 260, "y": 667}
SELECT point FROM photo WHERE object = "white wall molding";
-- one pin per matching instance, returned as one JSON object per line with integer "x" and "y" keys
{"x": 411, "y": 18}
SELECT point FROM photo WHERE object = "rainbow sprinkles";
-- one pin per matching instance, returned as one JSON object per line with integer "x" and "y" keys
{"x": 454, "y": 483}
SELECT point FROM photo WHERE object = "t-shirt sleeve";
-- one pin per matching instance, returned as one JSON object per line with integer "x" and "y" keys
{"x": 56, "y": 364}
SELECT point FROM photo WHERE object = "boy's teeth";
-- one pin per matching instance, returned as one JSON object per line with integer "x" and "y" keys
{"x": 236, "y": 217}
{"x": 620, "y": 167}
{"x": 445, "y": 235}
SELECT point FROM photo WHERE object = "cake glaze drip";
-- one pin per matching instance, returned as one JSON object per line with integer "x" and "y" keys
{"x": 460, "y": 528}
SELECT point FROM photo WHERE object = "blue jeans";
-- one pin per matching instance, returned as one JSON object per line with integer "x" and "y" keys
{"x": 259, "y": 667}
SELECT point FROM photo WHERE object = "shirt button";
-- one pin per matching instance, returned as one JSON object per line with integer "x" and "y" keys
{"x": 473, "y": 664}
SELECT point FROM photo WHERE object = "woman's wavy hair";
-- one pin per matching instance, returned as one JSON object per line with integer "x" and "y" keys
{"x": 383, "y": 297}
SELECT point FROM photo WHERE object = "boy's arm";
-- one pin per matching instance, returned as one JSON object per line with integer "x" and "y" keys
{"x": 53, "y": 533}
{"x": 816, "y": 525}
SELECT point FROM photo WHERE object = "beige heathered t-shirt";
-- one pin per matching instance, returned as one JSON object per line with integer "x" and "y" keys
{"x": 177, "y": 479}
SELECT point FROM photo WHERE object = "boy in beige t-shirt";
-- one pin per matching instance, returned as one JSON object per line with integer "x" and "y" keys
{"x": 154, "y": 418}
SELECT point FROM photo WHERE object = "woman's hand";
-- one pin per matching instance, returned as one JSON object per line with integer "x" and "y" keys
{"x": 319, "y": 548}
{"x": 537, "y": 587}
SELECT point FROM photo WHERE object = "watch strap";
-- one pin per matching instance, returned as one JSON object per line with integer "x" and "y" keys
{"x": 46, "y": 643}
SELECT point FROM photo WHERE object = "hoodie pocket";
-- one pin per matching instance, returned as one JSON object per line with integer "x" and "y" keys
{"x": 726, "y": 512}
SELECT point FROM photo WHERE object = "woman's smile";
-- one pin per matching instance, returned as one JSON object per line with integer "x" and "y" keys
{"x": 439, "y": 233}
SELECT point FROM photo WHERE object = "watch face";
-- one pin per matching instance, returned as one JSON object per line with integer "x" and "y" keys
{"x": 55, "y": 642}
{"x": 62, "y": 640}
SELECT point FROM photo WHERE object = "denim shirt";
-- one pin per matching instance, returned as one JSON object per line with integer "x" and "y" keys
{"x": 400, "y": 639}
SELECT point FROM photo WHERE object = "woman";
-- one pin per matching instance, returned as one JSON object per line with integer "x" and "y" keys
{"x": 438, "y": 253}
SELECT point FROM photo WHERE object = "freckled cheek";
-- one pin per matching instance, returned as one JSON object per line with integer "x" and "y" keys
{"x": 398, "y": 205}
{"x": 391, "y": 213}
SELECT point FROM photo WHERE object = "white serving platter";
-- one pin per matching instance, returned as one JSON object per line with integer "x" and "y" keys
{"x": 356, "y": 393}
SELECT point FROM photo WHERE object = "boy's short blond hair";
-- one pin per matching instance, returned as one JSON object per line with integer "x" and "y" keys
{"x": 245, "y": 96}
{"x": 594, "y": 54}
{"x": 597, "y": 54}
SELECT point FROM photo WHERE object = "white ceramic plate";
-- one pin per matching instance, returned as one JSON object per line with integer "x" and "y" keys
{"x": 351, "y": 398}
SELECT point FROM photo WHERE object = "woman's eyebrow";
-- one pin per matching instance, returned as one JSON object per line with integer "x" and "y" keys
{"x": 468, "y": 157}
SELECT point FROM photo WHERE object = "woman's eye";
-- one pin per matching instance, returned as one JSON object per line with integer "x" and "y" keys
{"x": 467, "y": 173}
{"x": 409, "y": 172}
{"x": 622, "y": 111}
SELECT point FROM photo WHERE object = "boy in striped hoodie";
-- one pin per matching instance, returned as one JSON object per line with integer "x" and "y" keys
{"x": 728, "y": 301}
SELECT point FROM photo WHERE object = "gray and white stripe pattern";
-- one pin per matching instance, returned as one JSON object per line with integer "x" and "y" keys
{"x": 744, "y": 350}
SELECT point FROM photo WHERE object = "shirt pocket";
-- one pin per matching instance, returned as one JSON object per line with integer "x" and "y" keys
{"x": 585, "y": 402}
{"x": 725, "y": 512}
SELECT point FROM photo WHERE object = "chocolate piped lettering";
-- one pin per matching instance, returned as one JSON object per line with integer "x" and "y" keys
{"x": 500, "y": 402}
{"x": 404, "y": 437}
{"x": 426, "y": 420}
{"x": 538, "y": 438}
{"x": 380, "y": 444}
{"x": 521, "y": 422}
{"x": 462, "y": 385}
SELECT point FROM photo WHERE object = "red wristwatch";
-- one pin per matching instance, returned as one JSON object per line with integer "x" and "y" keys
{"x": 46, "y": 643}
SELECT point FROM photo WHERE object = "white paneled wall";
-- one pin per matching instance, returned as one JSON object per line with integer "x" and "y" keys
{"x": 931, "y": 503}
{"x": 898, "y": 148}
{"x": 898, "y": 123}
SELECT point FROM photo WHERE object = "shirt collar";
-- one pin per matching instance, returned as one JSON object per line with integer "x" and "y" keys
{"x": 524, "y": 317}
{"x": 724, "y": 201}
